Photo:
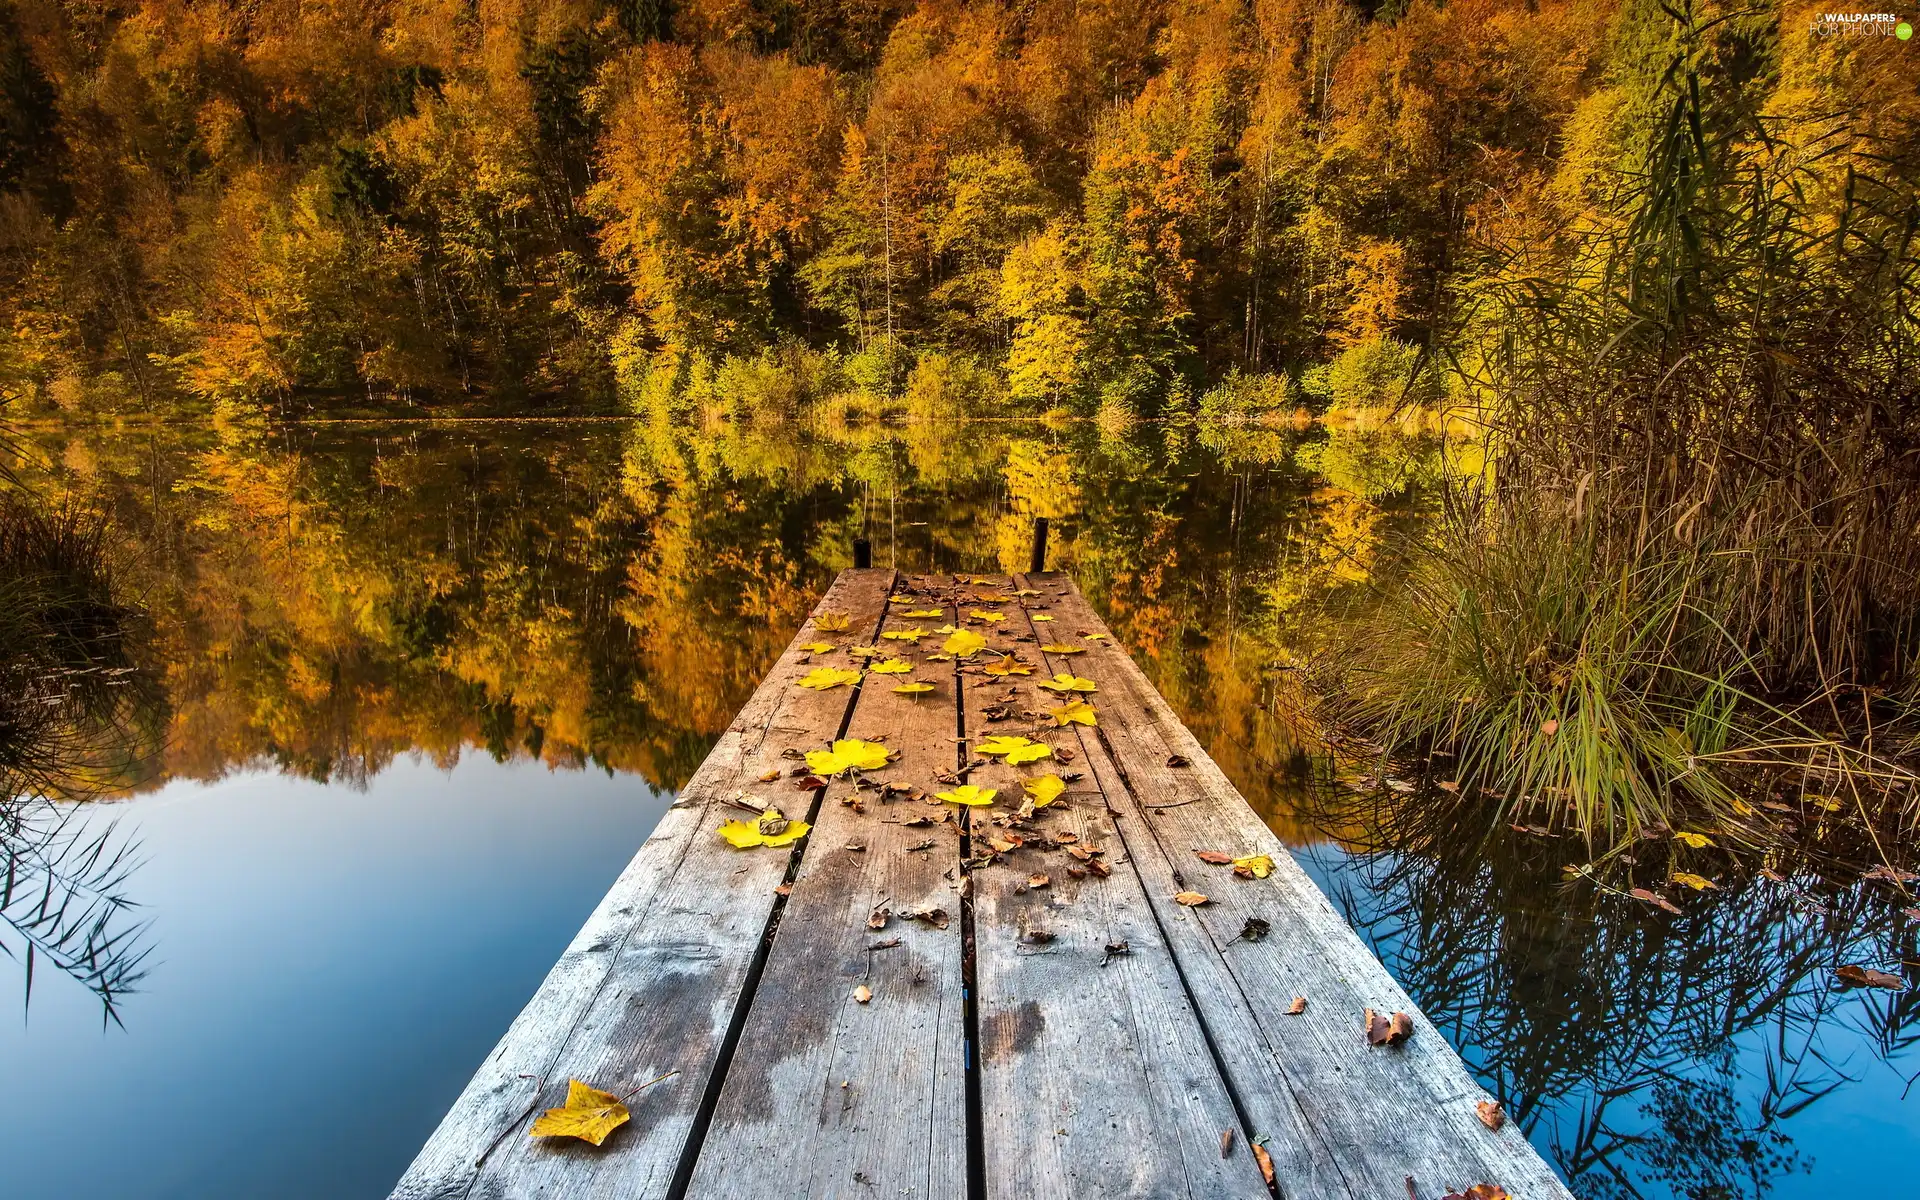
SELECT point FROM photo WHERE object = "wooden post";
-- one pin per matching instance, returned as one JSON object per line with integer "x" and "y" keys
{"x": 1039, "y": 561}
{"x": 862, "y": 553}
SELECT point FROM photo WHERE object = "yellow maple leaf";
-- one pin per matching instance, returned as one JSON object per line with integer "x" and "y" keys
{"x": 1042, "y": 617}
{"x": 1699, "y": 841}
{"x": 966, "y": 793}
{"x": 964, "y": 642}
{"x": 905, "y": 635}
{"x": 822, "y": 678}
{"x": 848, "y": 754}
{"x": 1044, "y": 789}
{"x": 832, "y": 622}
{"x": 893, "y": 666}
{"x": 771, "y": 829}
{"x": 1066, "y": 681}
{"x": 1077, "y": 713}
{"x": 1257, "y": 865}
{"x": 1015, "y": 749}
{"x": 925, "y": 612}
{"x": 1063, "y": 648}
{"x": 590, "y": 1115}
{"x": 817, "y": 647}
{"x": 1094, "y": 637}
{"x": 866, "y": 651}
{"x": 916, "y": 688}
{"x": 977, "y": 615}
{"x": 1008, "y": 666}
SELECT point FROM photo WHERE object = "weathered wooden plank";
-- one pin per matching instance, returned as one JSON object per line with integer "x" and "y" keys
{"x": 828, "y": 1096}
{"x": 651, "y": 983}
{"x": 1095, "y": 1075}
{"x": 1329, "y": 1102}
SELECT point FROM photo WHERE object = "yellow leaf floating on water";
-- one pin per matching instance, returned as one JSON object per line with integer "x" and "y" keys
{"x": 832, "y": 622}
{"x": 915, "y": 688}
{"x": 848, "y": 754}
{"x": 1066, "y": 681}
{"x": 964, "y": 642}
{"x": 822, "y": 678}
{"x": 1258, "y": 866}
{"x": 977, "y": 615}
{"x": 771, "y": 829}
{"x": 893, "y": 666}
{"x": 817, "y": 647}
{"x": 905, "y": 635}
{"x": 1044, "y": 789}
{"x": 966, "y": 793}
{"x": 1698, "y": 883}
{"x": 919, "y": 613}
{"x": 590, "y": 1115}
{"x": 1699, "y": 841}
{"x": 1063, "y": 648}
{"x": 1016, "y": 750}
{"x": 1077, "y": 713}
{"x": 1008, "y": 666}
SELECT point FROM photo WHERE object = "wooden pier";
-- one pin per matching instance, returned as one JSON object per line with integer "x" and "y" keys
{"x": 923, "y": 998}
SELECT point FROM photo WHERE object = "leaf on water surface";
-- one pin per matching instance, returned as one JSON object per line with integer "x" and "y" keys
{"x": 1491, "y": 1114}
{"x": 828, "y": 622}
{"x": 1254, "y": 866}
{"x": 1698, "y": 883}
{"x": 964, "y": 642}
{"x": 892, "y": 666}
{"x": 1077, "y": 713}
{"x": 771, "y": 829}
{"x": 1044, "y": 789}
{"x": 590, "y": 1115}
{"x": 1016, "y": 750}
{"x": 1857, "y": 976}
{"x": 915, "y": 688}
{"x": 1067, "y": 681}
{"x": 822, "y": 678}
{"x": 1190, "y": 899}
{"x": 1062, "y": 648}
{"x": 847, "y": 755}
{"x": 1218, "y": 858}
{"x": 1699, "y": 841}
{"x": 1655, "y": 899}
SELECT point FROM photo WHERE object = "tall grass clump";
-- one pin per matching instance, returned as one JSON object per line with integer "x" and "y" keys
{"x": 1692, "y": 561}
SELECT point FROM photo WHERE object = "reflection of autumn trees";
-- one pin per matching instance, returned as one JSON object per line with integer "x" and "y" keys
{"x": 328, "y": 598}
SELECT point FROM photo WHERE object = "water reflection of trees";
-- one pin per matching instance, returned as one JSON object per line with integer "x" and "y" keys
{"x": 1653, "y": 1055}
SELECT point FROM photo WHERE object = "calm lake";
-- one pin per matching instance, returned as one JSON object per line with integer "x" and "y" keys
{"x": 422, "y": 689}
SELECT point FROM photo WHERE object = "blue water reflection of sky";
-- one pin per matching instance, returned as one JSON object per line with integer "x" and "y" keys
{"x": 329, "y": 968}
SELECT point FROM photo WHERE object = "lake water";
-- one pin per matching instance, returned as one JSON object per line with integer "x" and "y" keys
{"x": 426, "y": 687}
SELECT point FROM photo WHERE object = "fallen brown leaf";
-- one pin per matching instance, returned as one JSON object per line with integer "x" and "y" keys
{"x": 1190, "y": 899}
{"x": 1387, "y": 1031}
{"x": 1491, "y": 1114}
{"x": 878, "y": 919}
{"x": 1218, "y": 858}
{"x": 1480, "y": 1191}
{"x": 863, "y": 993}
{"x": 1855, "y": 976}
{"x": 1038, "y": 881}
{"x": 1298, "y": 1006}
{"x": 1265, "y": 1160}
{"x": 1655, "y": 899}
{"x": 1226, "y": 1142}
